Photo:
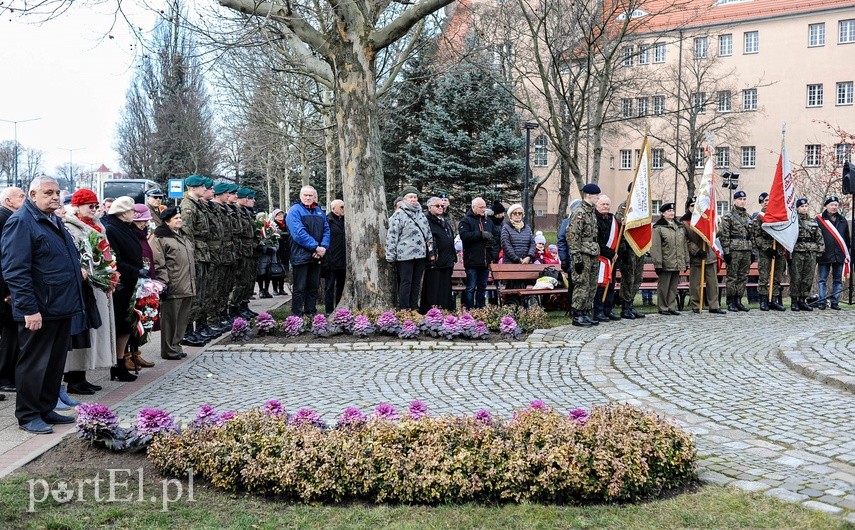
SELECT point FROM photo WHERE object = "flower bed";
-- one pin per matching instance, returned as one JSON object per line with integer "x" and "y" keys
{"x": 616, "y": 453}
{"x": 509, "y": 322}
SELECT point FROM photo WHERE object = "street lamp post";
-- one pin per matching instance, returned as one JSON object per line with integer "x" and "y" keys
{"x": 15, "y": 127}
{"x": 528, "y": 126}
{"x": 730, "y": 181}
{"x": 71, "y": 150}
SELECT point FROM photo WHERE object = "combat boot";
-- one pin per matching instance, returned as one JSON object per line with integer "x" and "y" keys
{"x": 601, "y": 317}
{"x": 579, "y": 321}
{"x": 635, "y": 312}
{"x": 627, "y": 312}
{"x": 777, "y": 306}
{"x": 794, "y": 304}
{"x": 245, "y": 308}
{"x": 764, "y": 305}
{"x": 593, "y": 321}
{"x": 803, "y": 305}
{"x": 738, "y": 300}
{"x": 731, "y": 304}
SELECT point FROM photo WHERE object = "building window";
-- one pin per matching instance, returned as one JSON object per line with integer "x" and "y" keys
{"x": 541, "y": 151}
{"x": 643, "y": 54}
{"x": 725, "y": 45}
{"x": 814, "y": 95}
{"x": 813, "y": 154}
{"x": 749, "y": 99}
{"x": 722, "y": 208}
{"x": 844, "y": 93}
{"x": 816, "y": 34}
{"x": 626, "y": 108}
{"x": 723, "y": 101}
{"x": 722, "y": 157}
{"x": 655, "y": 204}
{"x": 847, "y": 31}
{"x": 752, "y": 42}
{"x": 842, "y": 153}
{"x": 641, "y": 104}
{"x": 700, "y": 158}
{"x": 659, "y": 52}
{"x": 699, "y": 102}
{"x": 625, "y": 159}
{"x": 657, "y": 158}
{"x": 627, "y": 55}
{"x": 658, "y": 105}
{"x": 701, "y": 46}
{"x": 749, "y": 156}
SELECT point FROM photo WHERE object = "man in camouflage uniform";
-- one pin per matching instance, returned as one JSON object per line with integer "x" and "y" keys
{"x": 582, "y": 245}
{"x": 245, "y": 280}
{"x": 735, "y": 235}
{"x": 808, "y": 250}
{"x": 225, "y": 269}
{"x": 769, "y": 252}
{"x": 239, "y": 243}
{"x": 195, "y": 229}
{"x": 631, "y": 270}
{"x": 212, "y": 310}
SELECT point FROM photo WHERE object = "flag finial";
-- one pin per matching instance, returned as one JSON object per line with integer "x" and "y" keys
{"x": 783, "y": 130}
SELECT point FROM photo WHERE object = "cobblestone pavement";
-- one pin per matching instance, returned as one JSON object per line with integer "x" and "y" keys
{"x": 752, "y": 388}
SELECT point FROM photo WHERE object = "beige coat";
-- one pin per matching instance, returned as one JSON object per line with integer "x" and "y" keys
{"x": 174, "y": 262}
{"x": 669, "y": 250}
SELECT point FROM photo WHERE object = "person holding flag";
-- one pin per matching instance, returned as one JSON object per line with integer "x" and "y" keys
{"x": 768, "y": 252}
{"x": 608, "y": 232}
{"x": 835, "y": 259}
{"x": 808, "y": 251}
{"x": 702, "y": 265}
{"x": 583, "y": 247}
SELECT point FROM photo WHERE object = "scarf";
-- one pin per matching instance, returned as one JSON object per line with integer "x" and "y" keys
{"x": 90, "y": 222}
{"x": 517, "y": 224}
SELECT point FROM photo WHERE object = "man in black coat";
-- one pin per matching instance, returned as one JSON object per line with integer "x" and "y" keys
{"x": 835, "y": 233}
{"x": 335, "y": 261}
{"x": 476, "y": 233}
{"x": 436, "y": 287}
{"x": 41, "y": 266}
{"x": 11, "y": 200}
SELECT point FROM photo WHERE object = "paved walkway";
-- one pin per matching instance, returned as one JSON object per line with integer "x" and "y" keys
{"x": 767, "y": 395}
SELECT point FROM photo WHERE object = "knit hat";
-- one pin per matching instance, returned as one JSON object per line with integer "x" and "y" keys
{"x": 801, "y": 202}
{"x": 141, "y": 213}
{"x": 832, "y": 198}
{"x": 83, "y": 197}
{"x": 591, "y": 189}
{"x": 408, "y": 190}
{"x": 497, "y": 208}
{"x": 276, "y": 212}
{"x": 539, "y": 240}
{"x": 169, "y": 213}
{"x": 515, "y": 207}
{"x": 121, "y": 205}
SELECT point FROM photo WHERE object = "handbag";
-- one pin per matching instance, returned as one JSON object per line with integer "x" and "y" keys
{"x": 277, "y": 270}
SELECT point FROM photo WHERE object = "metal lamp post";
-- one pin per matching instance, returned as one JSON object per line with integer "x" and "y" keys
{"x": 71, "y": 150}
{"x": 528, "y": 126}
{"x": 730, "y": 181}
{"x": 15, "y": 127}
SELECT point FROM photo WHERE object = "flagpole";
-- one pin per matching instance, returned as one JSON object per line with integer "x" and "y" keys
{"x": 614, "y": 259}
{"x": 772, "y": 270}
{"x": 703, "y": 267}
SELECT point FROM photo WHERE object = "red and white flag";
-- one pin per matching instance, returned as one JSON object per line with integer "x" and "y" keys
{"x": 830, "y": 228}
{"x": 638, "y": 219}
{"x": 781, "y": 220}
{"x": 604, "y": 276}
{"x": 704, "y": 219}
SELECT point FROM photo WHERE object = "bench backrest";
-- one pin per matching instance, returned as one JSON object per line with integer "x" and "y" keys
{"x": 518, "y": 271}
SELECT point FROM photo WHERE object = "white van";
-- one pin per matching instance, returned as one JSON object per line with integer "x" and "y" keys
{"x": 133, "y": 188}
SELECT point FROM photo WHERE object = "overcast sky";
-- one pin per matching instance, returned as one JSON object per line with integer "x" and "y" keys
{"x": 69, "y": 75}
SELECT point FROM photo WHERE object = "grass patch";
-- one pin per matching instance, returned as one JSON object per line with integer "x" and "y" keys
{"x": 709, "y": 507}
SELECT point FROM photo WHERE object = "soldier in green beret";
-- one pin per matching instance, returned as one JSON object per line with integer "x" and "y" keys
{"x": 196, "y": 229}
{"x": 213, "y": 312}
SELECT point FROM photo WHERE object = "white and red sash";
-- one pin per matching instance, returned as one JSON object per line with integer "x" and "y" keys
{"x": 825, "y": 223}
{"x": 604, "y": 276}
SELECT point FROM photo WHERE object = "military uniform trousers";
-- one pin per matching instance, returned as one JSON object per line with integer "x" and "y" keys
{"x": 764, "y": 267}
{"x": 710, "y": 286}
{"x": 585, "y": 282}
{"x": 221, "y": 297}
{"x": 631, "y": 274}
{"x": 666, "y": 290}
{"x": 198, "y": 310}
{"x": 235, "y": 280}
{"x": 802, "y": 273}
{"x": 212, "y": 289}
{"x": 737, "y": 272}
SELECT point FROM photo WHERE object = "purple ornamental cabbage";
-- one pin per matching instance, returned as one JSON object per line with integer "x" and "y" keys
{"x": 320, "y": 326}
{"x": 481, "y": 330}
{"x": 432, "y": 322}
{"x": 450, "y": 327}
{"x": 483, "y": 417}
{"x": 94, "y": 420}
{"x": 205, "y": 417}
{"x": 240, "y": 329}
{"x": 417, "y": 410}
{"x": 274, "y": 408}
{"x": 509, "y": 328}
{"x": 409, "y": 330}
{"x": 385, "y": 411}
{"x": 292, "y": 326}
{"x": 342, "y": 320}
{"x": 538, "y": 404}
{"x": 306, "y": 417}
{"x": 265, "y": 323}
{"x": 154, "y": 421}
{"x": 362, "y": 326}
{"x": 226, "y": 416}
{"x": 387, "y": 323}
{"x": 579, "y": 415}
{"x": 351, "y": 417}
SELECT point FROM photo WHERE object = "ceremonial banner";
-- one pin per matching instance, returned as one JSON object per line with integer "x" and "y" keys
{"x": 604, "y": 276}
{"x": 638, "y": 219}
{"x": 830, "y": 228}
{"x": 781, "y": 221}
{"x": 704, "y": 219}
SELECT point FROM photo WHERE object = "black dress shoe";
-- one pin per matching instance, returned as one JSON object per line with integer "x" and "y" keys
{"x": 696, "y": 311}
{"x": 673, "y": 312}
{"x": 666, "y": 313}
{"x": 836, "y": 307}
{"x": 718, "y": 311}
{"x": 764, "y": 305}
{"x": 2, "y": 397}
{"x": 79, "y": 388}
{"x": 581, "y": 322}
{"x": 777, "y": 307}
{"x": 171, "y": 357}
{"x": 636, "y": 313}
{"x": 52, "y": 418}
{"x": 91, "y": 386}
{"x": 613, "y": 316}
{"x": 8, "y": 388}
{"x": 601, "y": 317}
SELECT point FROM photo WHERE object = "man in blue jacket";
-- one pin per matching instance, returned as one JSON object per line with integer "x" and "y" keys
{"x": 310, "y": 238}
{"x": 41, "y": 266}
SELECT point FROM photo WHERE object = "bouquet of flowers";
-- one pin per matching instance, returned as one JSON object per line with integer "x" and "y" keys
{"x": 96, "y": 257}
{"x": 266, "y": 230}
{"x": 145, "y": 306}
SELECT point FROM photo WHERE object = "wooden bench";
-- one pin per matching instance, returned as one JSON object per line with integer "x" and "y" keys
{"x": 504, "y": 273}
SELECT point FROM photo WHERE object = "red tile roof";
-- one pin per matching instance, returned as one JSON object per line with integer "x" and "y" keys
{"x": 103, "y": 169}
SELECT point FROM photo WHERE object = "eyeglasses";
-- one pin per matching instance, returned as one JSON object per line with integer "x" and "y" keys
{"x": 92, "y": 206}
{"x": 517, "y": 213}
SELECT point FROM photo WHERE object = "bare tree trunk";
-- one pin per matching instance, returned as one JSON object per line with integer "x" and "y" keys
{"x": 563, "y": 189}
{"x": 330, "y": 145}
{"x": 370, "y": 284}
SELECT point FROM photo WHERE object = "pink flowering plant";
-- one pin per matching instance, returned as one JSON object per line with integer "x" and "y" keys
{"x": 98, "y": 424}
{"x": 409, "y": 330}
{"x": 307, "y": 417}
{"x": 387, "y": 323}
{"x": 450, "y": 327}
{"x": 351, "y": 417}
{"x": 432, "y": 323}
{"x": 362, "y": 326}
{"x": 320, "y": 326}
{"x": 417, "y": 410}
{"x": 509, "y": 329}
{"x": 273, "y": 407}
{"x": 292, "y": 326}
{"x": 341, "y": 321}
{"x": 240, "y": 329}
{"x": 265, "y": 323}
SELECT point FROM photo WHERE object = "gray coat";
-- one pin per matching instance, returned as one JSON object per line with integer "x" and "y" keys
{"x": 516, "y": 244}
{"x": 408, "y": 235}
